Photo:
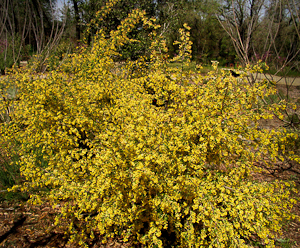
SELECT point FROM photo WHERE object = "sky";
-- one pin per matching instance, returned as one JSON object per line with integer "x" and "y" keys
{"x": 60, "y": 3}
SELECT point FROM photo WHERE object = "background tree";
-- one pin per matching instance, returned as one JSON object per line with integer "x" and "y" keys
{"x": 256, "y": 29}
{"x": 208, "y": 37}
{"x": 240, "y": 19}
{"x": 27, "y": 26}
{"x": 111, "y": 21}
{"x": 76, "y": 4}
{"x": 262, "y": 30}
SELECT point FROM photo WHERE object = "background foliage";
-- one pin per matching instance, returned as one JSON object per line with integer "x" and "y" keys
{"x": 231, "y": 32}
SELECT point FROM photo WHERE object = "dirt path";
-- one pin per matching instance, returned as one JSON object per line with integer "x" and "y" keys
{"x": 279, "y": 80}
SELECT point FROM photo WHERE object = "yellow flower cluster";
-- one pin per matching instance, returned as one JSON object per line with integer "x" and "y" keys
{"x": 185, "y": 45}
{"x": 162, "y": 157}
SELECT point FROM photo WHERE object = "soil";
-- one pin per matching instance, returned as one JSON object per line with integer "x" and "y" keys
{"x": 24, "y": 225}
{"x": 292, "y": 93}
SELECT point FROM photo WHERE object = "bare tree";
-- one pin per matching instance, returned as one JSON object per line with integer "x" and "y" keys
{"x": 28, "y": 22}
{"x": 239, "y": 18}
{"x": 261, "y": 29}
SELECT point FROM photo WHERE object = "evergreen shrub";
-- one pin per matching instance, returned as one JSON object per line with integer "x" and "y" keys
{"x": 174, "y": 173}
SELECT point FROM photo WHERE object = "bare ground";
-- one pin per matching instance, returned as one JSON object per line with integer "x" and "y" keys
{"x": 289, "y": 81}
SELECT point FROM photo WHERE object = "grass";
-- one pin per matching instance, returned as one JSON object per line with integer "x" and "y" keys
{"x": 9, "y": 175}
{"x": 179, "y": 65}
{"x": 8, "y": 172}
{"x": 192, "y": 67}
{"x": 9, "y": 167}
{"x": 285, "y": 243}
{"x": 286, "y": 72}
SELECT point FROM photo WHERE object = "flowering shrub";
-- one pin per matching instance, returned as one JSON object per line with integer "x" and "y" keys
{"x": 162, "y": 157}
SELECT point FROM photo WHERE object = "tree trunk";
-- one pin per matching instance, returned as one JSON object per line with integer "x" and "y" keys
{"x": 77, "y": 19}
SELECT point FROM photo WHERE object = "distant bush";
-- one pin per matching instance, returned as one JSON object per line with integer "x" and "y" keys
{"x": 162, "y": 158}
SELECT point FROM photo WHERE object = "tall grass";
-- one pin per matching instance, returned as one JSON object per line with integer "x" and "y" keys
{"x": 9, "y": 174}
